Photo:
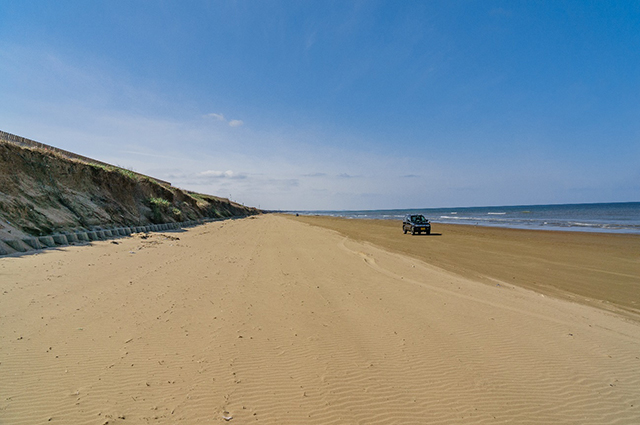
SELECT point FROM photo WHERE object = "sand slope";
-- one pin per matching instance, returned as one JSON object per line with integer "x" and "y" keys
{"x": 269, "y": 320}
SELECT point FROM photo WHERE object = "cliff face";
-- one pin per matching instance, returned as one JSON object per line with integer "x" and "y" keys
{"x": 42, "y": 192}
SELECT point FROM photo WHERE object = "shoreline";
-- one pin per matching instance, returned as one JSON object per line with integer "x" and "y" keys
{"x": 594, "y": 268}
{"x": 575, "y": 229}
{"x": 611, "y": 217}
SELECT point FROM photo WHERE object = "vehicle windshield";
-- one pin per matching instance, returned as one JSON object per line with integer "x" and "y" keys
{"x": 418, "y": 219}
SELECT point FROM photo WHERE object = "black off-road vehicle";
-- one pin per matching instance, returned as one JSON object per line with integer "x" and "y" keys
{"x": 416, "y": 223}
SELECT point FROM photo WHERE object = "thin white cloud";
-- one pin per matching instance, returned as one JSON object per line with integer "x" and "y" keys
{"x": 214, "y": 174}
{"x": 219, "y": 117}
{"x": 499, "y": 11}
{"x": 311, "y": 40}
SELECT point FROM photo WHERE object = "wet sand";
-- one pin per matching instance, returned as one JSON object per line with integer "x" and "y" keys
{"x": 272, "y": 320}
{"x": 596, "y": 268}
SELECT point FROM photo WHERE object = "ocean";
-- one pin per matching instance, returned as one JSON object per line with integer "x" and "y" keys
{"x": 607, "y": 218}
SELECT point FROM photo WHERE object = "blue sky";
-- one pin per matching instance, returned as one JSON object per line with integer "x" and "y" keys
{"x": 337, "y": 105}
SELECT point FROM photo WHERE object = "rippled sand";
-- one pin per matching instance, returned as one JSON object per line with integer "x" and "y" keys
{"x": 271, "y": 320}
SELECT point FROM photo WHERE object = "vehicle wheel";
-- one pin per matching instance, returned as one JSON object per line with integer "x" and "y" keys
{"x": 429, "y": 232}
{"x": 413, "y": 231}
{"x": 404, "y": 230}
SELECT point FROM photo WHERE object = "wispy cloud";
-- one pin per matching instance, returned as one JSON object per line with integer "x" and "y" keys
{"x": 214, "y": 174}
{"x": 220, "y": 117}
{"x": 311, "y": 40}
{"x": 346, "y": 176}
{"x": 499, "y": 11}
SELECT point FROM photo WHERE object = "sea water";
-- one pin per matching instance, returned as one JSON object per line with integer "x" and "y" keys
{"x": 610, "y": 218}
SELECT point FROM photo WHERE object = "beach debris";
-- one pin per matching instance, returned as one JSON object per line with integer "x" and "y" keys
{"x": 227, "y": 416}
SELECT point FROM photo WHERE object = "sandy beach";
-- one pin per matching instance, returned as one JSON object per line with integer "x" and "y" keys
{"x": 284, "y": 320}
{"x": 601, "y": 269}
